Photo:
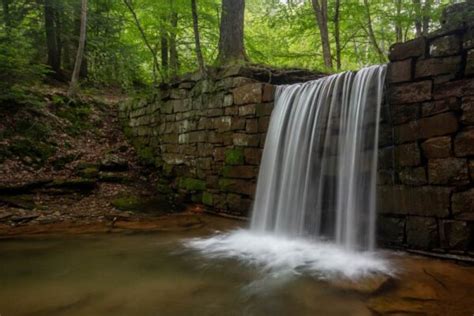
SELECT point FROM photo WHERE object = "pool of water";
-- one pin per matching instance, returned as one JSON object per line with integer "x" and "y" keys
{"x": 189, "y": 269}
{"x": 150, "y": 274}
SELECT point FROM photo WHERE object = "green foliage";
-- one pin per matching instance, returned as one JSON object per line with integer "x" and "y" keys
{"x": 30, "y": 151}
{"x": 234, "y": 156}
{"x": 192, "y": 184}
{"x": 76, "y": 113}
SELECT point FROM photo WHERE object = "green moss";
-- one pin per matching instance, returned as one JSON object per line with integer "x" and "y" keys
{"x": 234, "y": 156}
{"x": 146, "y": 155}
{"x": 127, "y": 203}
{"x": 37, "y": 151}
{"x": 225, "y": 184}
{"x": 207, "y": 198}
{"x": 192, "y": 184}
{"x": 89, "y": 172}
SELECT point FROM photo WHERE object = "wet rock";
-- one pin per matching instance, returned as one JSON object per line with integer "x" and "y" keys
{"x": 399, "y": 71}
{"x": 456, "y": 234}
{"x": 408, "y": 155}
{"x": 464, "y": 143}
{"x": 463, "y": 204}
{"x": 439, "y": 147}
{"x": 437, "y": 66}
{"x": 448, "y": 171}
{"x": 468, "y": 110}
{"x": 440, "y": 106}
{"x": 413, "y": 48}
{"x": 250, "y": 93}
{"x": 391, "y": 230}
{"x": 412, "y": 92}
{"x": 413, "y": 176}
{"x": 438, "y": 125}
{"x": 422, "y": 232}
{"x": 366, "y": 285}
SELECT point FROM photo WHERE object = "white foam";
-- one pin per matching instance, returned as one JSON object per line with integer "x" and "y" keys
{"x": 281, "y": 255}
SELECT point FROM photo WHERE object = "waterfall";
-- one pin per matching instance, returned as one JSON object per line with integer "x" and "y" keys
{"x": 318, "y": 171}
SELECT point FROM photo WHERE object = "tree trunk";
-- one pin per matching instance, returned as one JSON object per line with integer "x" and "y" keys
{"x": 426, "y": 17}
{"x": 164, "y": 52}
{"x": 54, "y": 60}
{"x": 398, "y": 26}
{"x": 231, "y": 39}
{"x": 156, "y": 65}
{"x": 80, "y": 50}
{"x": 418, "y": 18}
{"x": 197, "y": 39}
{"x": 371, "y": 33}
{"x": 337, "y": 36}
{"x": 174, "y": 59}
{"x": 321, "y": 14}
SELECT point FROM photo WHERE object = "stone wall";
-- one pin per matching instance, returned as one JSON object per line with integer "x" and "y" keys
{"x": 206, "y": 135}
{"x": 426, "y": 193}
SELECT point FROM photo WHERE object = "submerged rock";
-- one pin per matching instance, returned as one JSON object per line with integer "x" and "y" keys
{"x": 367, "y": 285}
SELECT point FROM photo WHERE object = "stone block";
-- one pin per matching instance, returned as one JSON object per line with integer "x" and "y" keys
{"x": 197, "y": 137}
{"x": 463, "y": 204}
{"x": 437, "y": 66}
{"x": 468, "y": 39}
{"x": 438, "y": 147}
{"x": 233, "y": 201}
{"x": 192, "y": 184}
{"x": 252, "y": 156}
{"x": 233, "y": 110}
{"x": 263, "y": 123}
{"x": 386, "y": 158}
{"x": 391, "y": 230}
{"x": 467, "y": 107}
{"x": 240, "y": 139}
{"x": 400, "y": 71}
{"x": 268, "y": 93}
{"x": 456, "y": 235}
{"x": 166, "y": 107}
{"x": 407, "y": 155}
{"x": 178, "y": 94}
{"x": 423, "y": 201}
{"x": 247, "y": 110}
{"x": 440, "y": 106}
{"x": 214, "y": 112}
{"x": 438, "y": 125}
{"x": 264, "y": 109}
{"x": 250, "y": 93}
{"x": 238, "y": 123}
{"x": 445, "y": 46}
{"x": 402, "y": 113}
{"x": 413, "y": 176}
{"x": 448, "y": 171}
{"x": 234, "y": 156}
{"x": 411, "y": 92}
{"x": 181, "y": 105}
{"x": 237, "y": 186}
{"x": 207, "y": 198}
{"x": 240, "y": 172}
{"x": 413, "y": 48}
{"x": 458, "y": 88}
{"x": 464, "y": 143}
{"x": 422, "y": 232}
{"x": 251, "y": 126}
{"x": 471, "y": 169}
{"x": 223, "y": 123}
{"x": 228, "y": 100}
{"x": 469, "y": 70}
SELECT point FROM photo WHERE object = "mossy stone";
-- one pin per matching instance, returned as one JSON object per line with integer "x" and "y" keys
{"x": 234, "y": 156}
{"x": 192, "y": 184}
{"x": 207, "y": 198}
{"x": 127, "y": 203}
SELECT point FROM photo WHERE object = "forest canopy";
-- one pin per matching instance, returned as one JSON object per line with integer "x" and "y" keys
{"x": 133, "y": 43}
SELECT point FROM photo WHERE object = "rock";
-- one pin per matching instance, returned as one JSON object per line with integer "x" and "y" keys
{"x": 458, "y": 88}
{"x": 402, "y": 113}
{"x": 23, "y": 218}
{"x": 448, "y": 171}
{"x": 246, "y": 140}
{"x": 407, "y": 155}
{"x": 399, "y": 71}
{"x": 439, "y": 147}
{"x": 424, "y": 201}
{"x": 240, "y": 172}
{"x": 456, "y": 234}
{"x": 250, "y": 93}
{"x": 113, "y": 163}
{"x": 4, "y": 216}
{"x": 268, "y": 93}
{"x": 366, "y": 285}
{"x": 413, "y": 176}
{"x": 463, "y": 204}
{"x": 464, "y": 143}
{"x": 391, "y": 230}
{"x": 437, "y": 66}
{"x": 412, "y": 92}
{"x": 468, "y": 110}
{"x": 67, "y": 185}
{"x": 469, "y": 70}
{"x": 422, "y": 232}
{"x": 21, "y": 201}
{"x": 440, "y": 106}
{"x": 413, "y": 48}
{"x": 445, "y": 46}
{"x": 438, "y": 125}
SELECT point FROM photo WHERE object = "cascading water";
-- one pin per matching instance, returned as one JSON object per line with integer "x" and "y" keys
{"x": 314, "y": 207}
{"x": 318, "y": 170}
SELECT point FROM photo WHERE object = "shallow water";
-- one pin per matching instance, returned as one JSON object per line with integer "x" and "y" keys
{"x": 151, "y": 274}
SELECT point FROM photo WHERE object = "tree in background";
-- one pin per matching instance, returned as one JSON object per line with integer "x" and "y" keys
{"x": 321, "y": 13}
{"x": 197, "y": 38}
{"x": 231, "y": 40}
{"x": 80, "y": 51}
{"x": 52, "y": 29}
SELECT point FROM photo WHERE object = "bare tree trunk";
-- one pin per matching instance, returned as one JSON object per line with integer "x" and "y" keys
{"x": 156, "y": 65}
{"x": 174, "y": 59}
{"x": 426, "y": 17}
{"x": 321, "y": 14}
{"x": 231, "y": 40}
{"x": 337, "y": 36}
{"x": 371, "y": 33}
{"x": 418, "y": 18}
{"x": 398, "y": 26}
{"x": 164, "y": 52}
{"x": 80, "y": 51}
{"x": 54, "y": 59}
{"x": 197, "y": 39}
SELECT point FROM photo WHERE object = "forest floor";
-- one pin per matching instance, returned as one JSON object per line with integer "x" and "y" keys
{"x": 65, "y": 161}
